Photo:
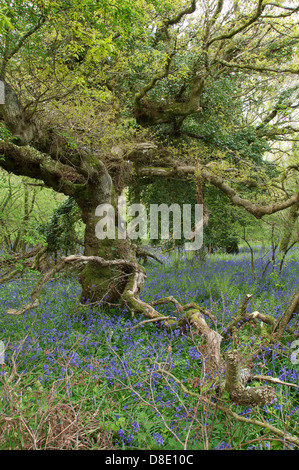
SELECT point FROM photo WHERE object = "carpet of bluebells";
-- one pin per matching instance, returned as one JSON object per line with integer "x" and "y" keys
{"x": 96, "y": 358}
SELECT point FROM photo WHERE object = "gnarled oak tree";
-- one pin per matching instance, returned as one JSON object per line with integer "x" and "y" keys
{"x": 99, "y": 95}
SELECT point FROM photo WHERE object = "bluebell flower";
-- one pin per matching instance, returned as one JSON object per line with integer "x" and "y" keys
{"x": 158, "y": 438}
{"x": 121, "y": 434}
{"x": 222, "y": 446}
{"x": 135, "y": 426}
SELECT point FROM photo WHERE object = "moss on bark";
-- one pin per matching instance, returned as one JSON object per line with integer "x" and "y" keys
{"x": 104, "y": 282}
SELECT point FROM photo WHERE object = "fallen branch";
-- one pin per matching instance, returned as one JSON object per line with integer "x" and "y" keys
{"x": 183, "y": 308}
{"x": 166, "y": 300}
{"x": 146, "y": 254}
{"x": 273, "y": 380}
{"x": 19, "y": 257}
{"x": 240, "y": 318}
{"x": 10, "y": 276}
{"x": 45, "y": 278}
{"x": 21, "y": 311}
{"x": 36, "y": 292}
{"x": 150, "y": 321}
{"x": 264, "y": 318}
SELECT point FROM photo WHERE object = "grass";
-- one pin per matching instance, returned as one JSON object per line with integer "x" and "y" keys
{"x": 83, "y": 378}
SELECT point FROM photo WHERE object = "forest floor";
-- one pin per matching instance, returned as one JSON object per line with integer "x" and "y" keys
{"x": 85, "y": 377}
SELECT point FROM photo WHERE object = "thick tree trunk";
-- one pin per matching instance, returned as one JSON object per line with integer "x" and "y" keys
{"x": 99, "y": 282}
{"x": 102, "y": 283}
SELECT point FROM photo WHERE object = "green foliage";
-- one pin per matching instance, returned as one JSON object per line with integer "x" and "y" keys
{"x": 5, "y": 134}
{"x": 61, "y": 232}
{"x": 24, "y": 207}
{"x": 226, "y": 222}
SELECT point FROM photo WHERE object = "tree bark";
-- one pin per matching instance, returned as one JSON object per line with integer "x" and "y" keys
{"x": 236, "y": 380}
{"x": 283, "y": 321}
{"x": 101, "y": 283}
{"x": 289, "y": 228}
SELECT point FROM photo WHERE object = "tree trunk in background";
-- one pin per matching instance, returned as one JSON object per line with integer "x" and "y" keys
{"x": 232, "y": 248}
{"x": 289, "y": 228}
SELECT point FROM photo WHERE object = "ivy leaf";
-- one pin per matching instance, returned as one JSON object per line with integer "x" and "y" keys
{"x": 5, "y": 23}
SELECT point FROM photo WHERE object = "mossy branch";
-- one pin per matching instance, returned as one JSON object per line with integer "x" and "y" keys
{"x": 235, "y": 384}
